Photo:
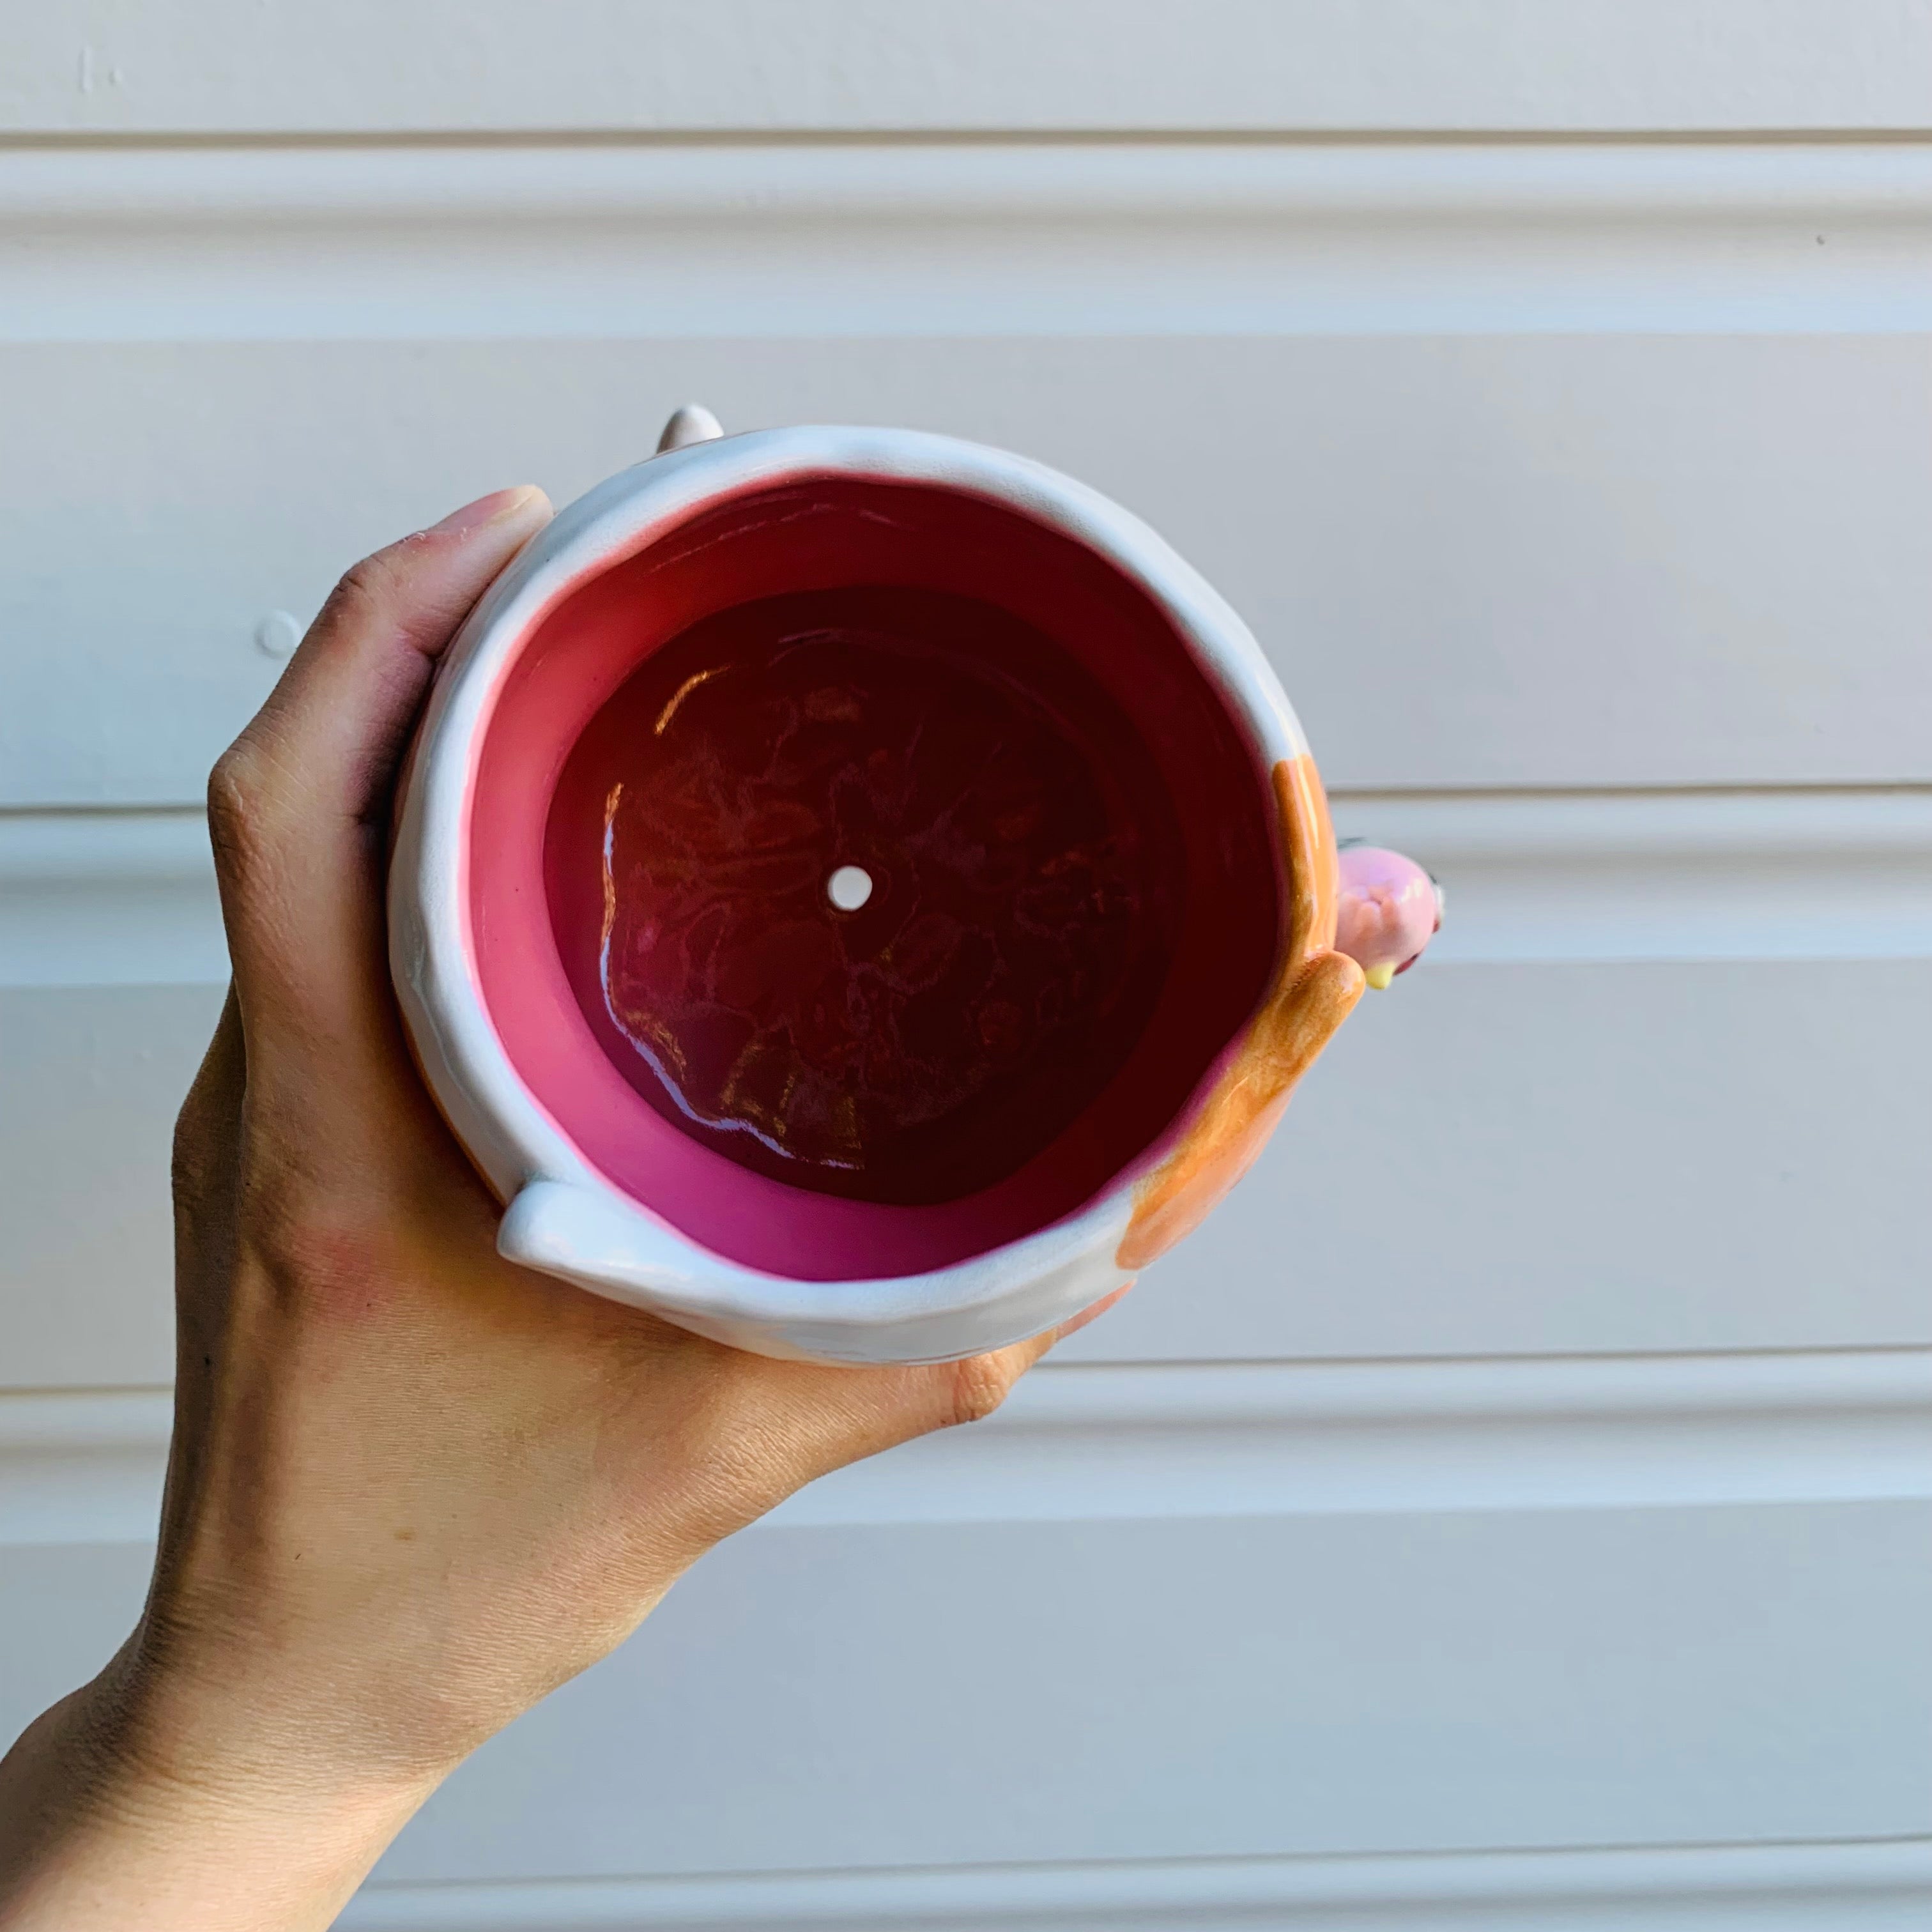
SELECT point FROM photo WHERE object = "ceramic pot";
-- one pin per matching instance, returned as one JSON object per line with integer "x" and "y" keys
{"x": 858, "y": 894}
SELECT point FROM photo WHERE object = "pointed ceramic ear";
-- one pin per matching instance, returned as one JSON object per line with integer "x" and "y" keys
{"x": 561, "y": 1228}
{"x": 693, "y": 423}
{"x": 536, "y": 1228}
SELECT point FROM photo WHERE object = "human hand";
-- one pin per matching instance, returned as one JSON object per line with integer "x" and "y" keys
{"x": 412, "y": 1488}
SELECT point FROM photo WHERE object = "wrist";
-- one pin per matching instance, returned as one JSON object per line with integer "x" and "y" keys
{"x": 135, "y": 1801}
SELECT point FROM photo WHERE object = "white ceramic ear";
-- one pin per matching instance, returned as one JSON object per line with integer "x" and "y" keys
{"x": 562, "y": 1229}
{"x": 693, "y": 423}
{"x": 593, "y": 1237}
{"x": 588, "y": 1236}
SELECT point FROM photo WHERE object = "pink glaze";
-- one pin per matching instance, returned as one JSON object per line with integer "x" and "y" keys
{"x": 1388, "y": 910}
{"x": 1073, "y": 844}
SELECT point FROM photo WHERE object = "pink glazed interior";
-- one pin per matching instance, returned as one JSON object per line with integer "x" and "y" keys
{"x": 1075, "y": 908}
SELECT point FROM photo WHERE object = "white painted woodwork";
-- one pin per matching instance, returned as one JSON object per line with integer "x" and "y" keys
{"x": 1551, "y": 560}
{"x": 540, "y": 239}
{"x": 1860, "y": 1886}
{"x": 108, "y": 899}
{"x": 1094, "y": 1442}
{"x": 1512, "y": 1510}
{"x": 947, "y": 1694}
{"x": 1657, "y": 66}
{"x": 1602, "y": 1582}
{"x": 1521, "y": 1159}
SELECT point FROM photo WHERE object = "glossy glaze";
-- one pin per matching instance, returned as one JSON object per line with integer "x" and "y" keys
{"x": 1020, "y": 862}
{"x": 532, "y": 882}
{"x": 1389, "y": 910}
{"x": 1314, "y": 990}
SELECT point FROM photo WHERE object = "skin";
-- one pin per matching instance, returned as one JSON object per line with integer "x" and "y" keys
{"x": 412, "y": 1487}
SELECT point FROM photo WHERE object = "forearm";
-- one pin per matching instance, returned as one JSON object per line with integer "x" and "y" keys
{"x": 104, "y": 1829}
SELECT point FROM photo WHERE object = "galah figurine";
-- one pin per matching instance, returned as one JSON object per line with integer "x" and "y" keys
{"x": 1389, "y": 910}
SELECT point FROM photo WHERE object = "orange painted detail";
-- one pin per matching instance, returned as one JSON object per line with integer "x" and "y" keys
{"x": 1308, "y": 841}
{"x": 1315, "y": 987}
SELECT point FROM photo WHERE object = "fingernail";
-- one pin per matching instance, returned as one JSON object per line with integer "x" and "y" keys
{"x": 487, "y": 509}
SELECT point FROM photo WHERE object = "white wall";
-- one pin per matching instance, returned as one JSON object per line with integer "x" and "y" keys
{"x": 1513, "y": 1510}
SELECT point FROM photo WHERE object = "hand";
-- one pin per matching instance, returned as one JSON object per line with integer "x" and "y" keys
{"x": 412, "y": 1488}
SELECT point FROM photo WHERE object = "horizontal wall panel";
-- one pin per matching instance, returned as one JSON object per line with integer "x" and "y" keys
{"x": 826, "y": 1699}
{"x": 1809, "y": 875}
{"x": 65, "y": 1609}
{"x": 116, "y": 898}
{"x": 1367, "y": 1608}
{"x": 83, "y": 1465}
{"x": 1869, "y": 1887}
{"x": 114, "y": 65}
{"x": 89, "y": 1087}
{"x": 109, "y": 899}
{"x": 1512, "y": 1159}
{"x": 1432, "y": 1506}
{"x": 1316, "y": 1683}
{"x": 1539, "y": 560}
{"x": 592, "y": 240}
{"x": 1086, "y": 1444}
{"x": 1540, "y": 1159}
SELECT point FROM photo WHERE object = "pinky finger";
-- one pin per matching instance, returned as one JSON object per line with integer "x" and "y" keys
{"x": 977, "y": 1386}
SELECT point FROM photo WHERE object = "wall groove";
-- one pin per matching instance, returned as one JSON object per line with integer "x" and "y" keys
{"x": 1108, "y": 1443}
{"x": 1446, "y": 65}
{"x": 1112, "y": 238}
{"x": 104, "y": 897}
{"x": 1845, "y": 1886}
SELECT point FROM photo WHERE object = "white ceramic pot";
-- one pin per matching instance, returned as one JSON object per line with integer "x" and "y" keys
{"x": 839, "y": 1210}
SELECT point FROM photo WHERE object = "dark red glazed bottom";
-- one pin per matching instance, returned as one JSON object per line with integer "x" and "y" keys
{"x": 1027, "y": 873}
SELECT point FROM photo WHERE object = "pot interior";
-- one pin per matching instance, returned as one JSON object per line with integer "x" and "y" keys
{"x": 865, "y": 875}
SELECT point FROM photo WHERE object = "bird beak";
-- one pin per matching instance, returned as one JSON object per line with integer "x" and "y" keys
{"x": 1380, "y": 977}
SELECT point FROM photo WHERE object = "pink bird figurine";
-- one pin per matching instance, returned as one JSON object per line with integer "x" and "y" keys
{"x": 1389, "y": 909}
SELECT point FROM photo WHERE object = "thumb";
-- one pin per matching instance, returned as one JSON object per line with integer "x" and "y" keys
{"x": 295, "y": 805}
